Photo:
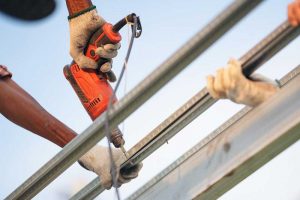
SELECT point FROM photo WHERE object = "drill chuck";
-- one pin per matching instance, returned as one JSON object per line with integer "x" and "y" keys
{"x": 116, "y": 137}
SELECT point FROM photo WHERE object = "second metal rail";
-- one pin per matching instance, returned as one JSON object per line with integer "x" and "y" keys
{"x": 252, "y": 60}
{"x": 231, "y": 152}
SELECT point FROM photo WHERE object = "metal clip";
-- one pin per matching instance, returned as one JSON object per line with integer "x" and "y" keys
{"x": 137, "y": 27}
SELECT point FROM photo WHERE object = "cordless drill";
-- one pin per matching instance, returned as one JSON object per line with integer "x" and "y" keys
{"x": 91, "y": 85}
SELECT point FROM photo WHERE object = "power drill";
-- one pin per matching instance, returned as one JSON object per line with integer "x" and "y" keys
{"x": 91, "y": 85}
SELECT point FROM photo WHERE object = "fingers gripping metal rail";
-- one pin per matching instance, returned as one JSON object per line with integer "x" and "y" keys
{"x": 251, "y": 61}
{"x": 134, "y": 99}
{"x": 232, "y": 152}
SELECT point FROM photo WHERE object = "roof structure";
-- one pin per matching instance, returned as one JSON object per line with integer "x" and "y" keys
{"x": 243, "y": 144}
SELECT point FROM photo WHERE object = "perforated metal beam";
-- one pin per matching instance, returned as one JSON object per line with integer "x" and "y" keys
{"x": 233, "y": 151}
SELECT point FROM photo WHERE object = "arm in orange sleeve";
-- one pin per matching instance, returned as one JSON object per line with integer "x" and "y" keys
{"x": 77, "y": 6}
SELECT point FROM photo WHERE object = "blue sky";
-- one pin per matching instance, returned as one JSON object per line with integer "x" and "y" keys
{"x": 37, "y": 52}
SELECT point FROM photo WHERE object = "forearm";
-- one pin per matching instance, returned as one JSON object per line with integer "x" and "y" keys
{"x": 76, "y": 6}
{"x": 22, "y": 109}
{"x": 261, "y": 92}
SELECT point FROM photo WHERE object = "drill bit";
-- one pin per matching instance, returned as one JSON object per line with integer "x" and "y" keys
{"x": 124, "y": 151}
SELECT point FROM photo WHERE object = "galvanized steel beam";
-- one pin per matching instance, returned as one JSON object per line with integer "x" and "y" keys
{"x": 232, "y": 152}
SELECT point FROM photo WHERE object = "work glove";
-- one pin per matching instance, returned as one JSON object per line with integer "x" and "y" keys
{"x": 98, "y": 161}
{"x": 294, "y": 13}
{"x": 81, "y": 29}
{"x": 230, "y": 83}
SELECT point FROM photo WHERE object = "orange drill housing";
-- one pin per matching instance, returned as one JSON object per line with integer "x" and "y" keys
{"x": 91, "y": 87}
{"x": 107, "y": 33}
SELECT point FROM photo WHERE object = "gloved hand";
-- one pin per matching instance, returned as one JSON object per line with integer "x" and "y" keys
{"x": 106, "y": 70}
{"x": 98, "y": 161}
{"x": 232, "y": 84}
{"x": 81, "y": 29}
{"x": 294, "y": 13}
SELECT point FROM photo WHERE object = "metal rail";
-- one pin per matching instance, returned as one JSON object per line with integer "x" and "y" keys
{"x": 252, "y": 60}
{"x": 234, "y": 119}
{"x": 141, "y": 93}
{"x": 236, "y": 149}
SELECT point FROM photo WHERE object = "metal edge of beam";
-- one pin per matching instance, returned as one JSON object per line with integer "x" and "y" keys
{"x": 199, "y": 103}
{"x": 208, "y": 158}
{"x": 142, "y": 92}
{"x": 283, "y": 81}
{"x": 237, "y": 175}
{"x": 253, "y": 59}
